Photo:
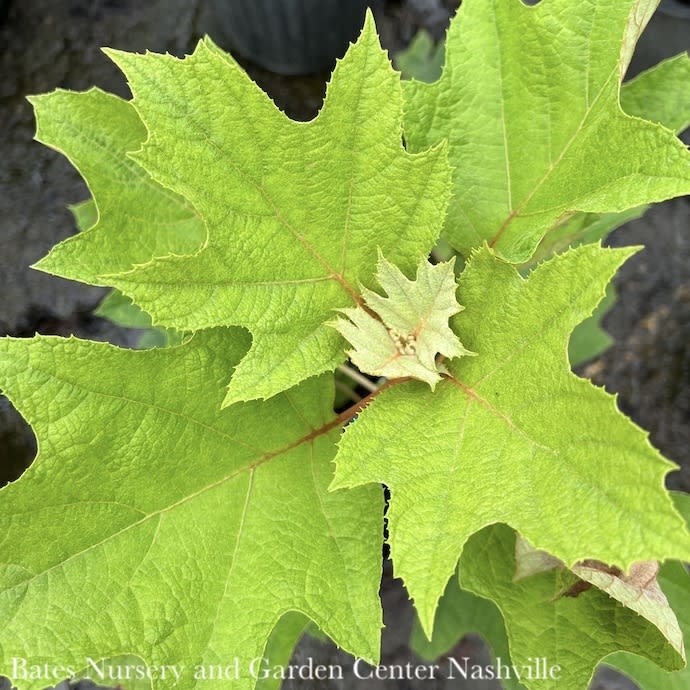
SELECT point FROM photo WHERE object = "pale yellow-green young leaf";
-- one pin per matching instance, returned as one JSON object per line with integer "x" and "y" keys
{"x": 403, "y": 333}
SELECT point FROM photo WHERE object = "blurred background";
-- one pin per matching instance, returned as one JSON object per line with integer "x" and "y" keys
{"x": 288, "y": 47}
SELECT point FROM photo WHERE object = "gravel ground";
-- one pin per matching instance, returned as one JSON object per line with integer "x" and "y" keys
{"x": 49, "y": 43}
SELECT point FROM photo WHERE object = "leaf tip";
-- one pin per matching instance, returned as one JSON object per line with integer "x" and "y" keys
{"x": 44, "y": 264}
{"x": 368, "y": 42}
{"x": 427, "y": 616}
{"x": 116, "y": 55}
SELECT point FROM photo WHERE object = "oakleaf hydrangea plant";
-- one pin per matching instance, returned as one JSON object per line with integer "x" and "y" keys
{"x": 196, "y": 506}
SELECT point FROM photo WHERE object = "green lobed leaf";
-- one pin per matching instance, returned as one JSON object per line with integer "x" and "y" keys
{"x": 572, "y": 633}
{"x": 187, "y": 531}
{"x": 529, "y": 104}
{"x": 675, "y": 582}
{"x": 401, "y": 334}
{"x": 512, "y": 435}
{"x": 661, "y": 94}
{"x": 281, "y": 643}
{"x": 294, "y": 211}
{"x": 637, "y": 589}
{"x": 136, "y": 217}
{"x": 460, "y": 612}
{"x": 120, "y": 309}
{"x": 422, "y": 59}
{"x": 116, "y": 307}
{"x": 74, "y": 430}
{"x": 85, "y": 214}
{"x": 589, "y": 339}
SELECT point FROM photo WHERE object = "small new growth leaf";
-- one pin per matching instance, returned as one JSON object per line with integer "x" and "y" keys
{"x": 412, "y": 325}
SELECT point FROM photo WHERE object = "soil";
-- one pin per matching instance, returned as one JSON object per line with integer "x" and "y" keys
{"x": 46, "y": 44}
{"x": 649, "y": 364}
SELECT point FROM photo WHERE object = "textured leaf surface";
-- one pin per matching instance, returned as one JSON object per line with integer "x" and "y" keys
{"x": 116, "y": 307}
{"x": 589, "y": 339}
{"x": 294, "y": 211}
{"x": 637, "y": 589}
{"x": 187, "y": 531}
{"x": 125, "y": 665}
{"x": 513, "y": 436}
{"x": 573, "y": 632}
{"x": 675, "y": 582}
{"x": 661, "y": 94}
{"x": 412, "y": 325}
{"x": 136, "y": 218}
{"x": 460, "y": 612}
{"x": 529, "y": 103}
{"x": 119, "y": 309}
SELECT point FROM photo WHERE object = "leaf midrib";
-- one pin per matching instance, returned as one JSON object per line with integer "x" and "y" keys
{"x": 251, "y": 467}
{"x": 517, "y": 212}
{"x": 243, "y": 174}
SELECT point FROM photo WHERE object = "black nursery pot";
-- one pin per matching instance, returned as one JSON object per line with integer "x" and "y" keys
{"x": 288, "y": 36}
